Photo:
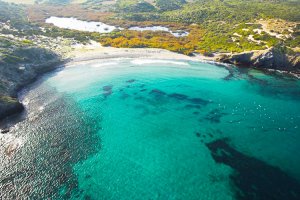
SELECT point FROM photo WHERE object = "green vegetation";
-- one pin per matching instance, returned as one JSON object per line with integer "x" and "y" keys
{"x": 220, "y": 20}
{"x": 142, "y": 6}
{"x": 164, "y": 5}
{"x": 7, "y": 48}
{"x": 8, "y": 99}
{"x": 15, "y": 16}
{"x": 13, "y": 13}
{"x": 295, "y": 41}
{"x": 233, "y": 11}
{"x": 203, "y": 11}
{"x": 134, "y": 6}
{"x": 216, "y": 25}
{"x": 79, "y": 36}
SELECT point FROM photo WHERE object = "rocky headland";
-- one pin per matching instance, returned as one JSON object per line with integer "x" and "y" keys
{"x": 275, "y": 58}
{"x": 22, "y": 67}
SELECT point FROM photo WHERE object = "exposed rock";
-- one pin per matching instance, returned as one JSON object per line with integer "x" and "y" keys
{"x": 9, "y": 107}
{"x": 17, "y": 73}
{"x": 273, "y": 58}
{"x": 4, "y": 131}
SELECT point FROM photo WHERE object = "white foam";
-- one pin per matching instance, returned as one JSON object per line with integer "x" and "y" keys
{"x": 41, "y": 108}
{"x": 12, "y": 142}
{"x": 147, "y": 61}
{"x": 99, "y": 65}
{"x": 26, "y": 101}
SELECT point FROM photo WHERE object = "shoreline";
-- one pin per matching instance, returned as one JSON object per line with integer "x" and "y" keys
{"x": 12, "y": 115}
{"x": 84, "y": 53}
{"x": 94, "y": 52}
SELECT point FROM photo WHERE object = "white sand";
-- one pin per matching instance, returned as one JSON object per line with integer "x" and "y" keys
{"x": 95, "y": 51}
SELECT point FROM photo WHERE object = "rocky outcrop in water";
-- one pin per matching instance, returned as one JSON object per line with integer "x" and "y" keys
{"x": 274, "y": 58}
{"x": 9, "y": 106}
{"x": 21, "y": 67}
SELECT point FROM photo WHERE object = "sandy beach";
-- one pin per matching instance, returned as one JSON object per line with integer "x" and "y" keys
{"x": 94, "y": 51}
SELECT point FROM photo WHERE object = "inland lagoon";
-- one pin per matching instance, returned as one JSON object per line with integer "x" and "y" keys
{"x": 144, "y": 129}
{"x": 79, "y": 25}
{"x": 92, "y": 26}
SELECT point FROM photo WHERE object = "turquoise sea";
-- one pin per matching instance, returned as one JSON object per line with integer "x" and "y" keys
{"x": 162, "y": 129}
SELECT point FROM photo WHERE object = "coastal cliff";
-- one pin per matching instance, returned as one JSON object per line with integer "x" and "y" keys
{"x": 278, "y": 58}
{"x": 32, "y": 61}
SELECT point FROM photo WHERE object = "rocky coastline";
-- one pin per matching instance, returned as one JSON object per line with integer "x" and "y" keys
{"x": 15, "y": 76}
{"x": 275, "y": 58}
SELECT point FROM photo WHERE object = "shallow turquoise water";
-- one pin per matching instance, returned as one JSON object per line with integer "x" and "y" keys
{"x": 138, "y": 129}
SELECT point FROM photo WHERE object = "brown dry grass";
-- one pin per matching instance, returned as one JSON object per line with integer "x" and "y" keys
{"x": 277, "y": 25}
{"x": 39, "y": 13}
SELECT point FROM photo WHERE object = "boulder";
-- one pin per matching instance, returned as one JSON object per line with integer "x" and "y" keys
{"x": 9, "y": 106}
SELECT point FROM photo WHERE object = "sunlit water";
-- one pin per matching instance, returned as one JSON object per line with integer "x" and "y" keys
{"x": 144, "y": 129}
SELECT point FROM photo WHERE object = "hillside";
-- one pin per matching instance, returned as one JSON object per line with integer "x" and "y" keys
{"x": 21, "y": 59}
{"x": 215, "y": 26}
{"x": 224, "y": 20}
{"x": 231, "y": 26}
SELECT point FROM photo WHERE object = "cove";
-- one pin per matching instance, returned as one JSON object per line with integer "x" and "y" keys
{"x": 135, "y": 129}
